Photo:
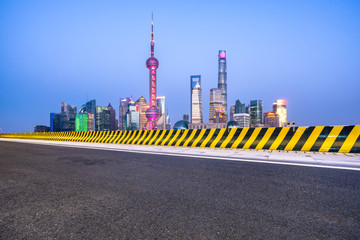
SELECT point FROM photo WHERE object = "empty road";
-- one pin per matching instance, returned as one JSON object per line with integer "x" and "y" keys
{"x": 74, "y": 193}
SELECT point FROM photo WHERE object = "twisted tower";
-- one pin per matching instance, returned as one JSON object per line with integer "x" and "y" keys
{"x": 152, "y": 64}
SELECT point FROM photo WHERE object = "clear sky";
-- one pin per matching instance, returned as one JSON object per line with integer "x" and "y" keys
{"x": 307, "y": 52}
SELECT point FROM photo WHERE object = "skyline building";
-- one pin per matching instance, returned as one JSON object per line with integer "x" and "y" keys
{"x": 113, "y": 120}
{"x": 256, "y": 112}
{"x": 81, "y": 122}
{"x": 271, "y": 119}
{"x": 152, "y": 64}
{"x": 243, "y": 119}
{"x": 132, "y": 117}
{"x": 58, "y": 122}
{"x": 232, "y": 112}
{"x": 280, "y": 108}
{"x": 196, "y": 99}
{"x": 123, "y": 109}
{"x": 90, "y": 108}
{"x": 161, "y": 121}
{"x": 70, "y": 113}
{"x": 215, "y": 102}
{"x": 239, "y": 107}
{"x": 141, "y": 107}
{"x": 222, "y": 81}
{"x": 102, "y": 118}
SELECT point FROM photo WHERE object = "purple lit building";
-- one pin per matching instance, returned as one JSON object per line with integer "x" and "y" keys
{"x": 152, "y": 64}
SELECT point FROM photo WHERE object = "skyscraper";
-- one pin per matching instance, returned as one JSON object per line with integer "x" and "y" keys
{"x": 222, "y": 81}
{"x": 280, "y": 108}
{"x": 70, "y": 112}
{"x": 256, "y": 112}
{"x": 132, "y": 117}
{"x": 239, "y": 107}
{"x": 215, "y": 102}
{"x": 113, "y": 125}
{"x": 160, "y": 105}
{"x": 123, "y": 108}
{"x": 102, "y": 119}
{"x": 152, "y": 64}
{"x": 141, "y": 107}
{"x": 90, "y": 108}
{"x": 196, "y": 99}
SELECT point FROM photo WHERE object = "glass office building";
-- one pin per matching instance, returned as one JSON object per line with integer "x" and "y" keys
{"x": 256, "y": 112}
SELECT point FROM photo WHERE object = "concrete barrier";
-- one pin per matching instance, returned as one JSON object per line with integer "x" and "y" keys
{"x": 343, "y": 139}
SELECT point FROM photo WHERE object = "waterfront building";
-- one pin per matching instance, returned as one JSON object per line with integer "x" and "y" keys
{"x": 280, "y": 108}
{"x": 160, "y": 104}
{"x": 123, "y": 109}
{"x": 196, "y": 99}
{"x": 81, "y": 122}
{"x": 243, "y": 119}
{"x": 256, "y": 112}
{"x": 271, "y": 119}
{"x": 102, "y": 119}
{"x": 215, "y": 102}
{"x": 58, "y": 122}
{"x": 113, "y": 120}
{"x": 132, "y": 119}
{"x": 90, "y": 109}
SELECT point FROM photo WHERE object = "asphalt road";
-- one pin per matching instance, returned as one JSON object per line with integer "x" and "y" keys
{"x": 69, "y": 193}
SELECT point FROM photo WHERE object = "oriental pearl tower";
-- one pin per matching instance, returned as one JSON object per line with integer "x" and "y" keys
{"x": 152, "y": 64}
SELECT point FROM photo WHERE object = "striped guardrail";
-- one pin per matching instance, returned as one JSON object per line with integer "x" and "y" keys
{"x": 344, "y": 139}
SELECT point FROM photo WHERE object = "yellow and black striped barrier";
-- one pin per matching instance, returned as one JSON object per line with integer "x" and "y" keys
{"x": 343, "y": 139}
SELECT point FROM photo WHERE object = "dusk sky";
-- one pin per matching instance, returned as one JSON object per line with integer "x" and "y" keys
{"x": 307, "y": 52}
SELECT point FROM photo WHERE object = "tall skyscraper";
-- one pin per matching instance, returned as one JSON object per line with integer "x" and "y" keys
{"x": 123, "y": 108}
{"x": 222, "y": 81}
{"x": 70, "y": 113}
{"x": 239, "y": 107}
{"x": 196, "y": 99}
{"x": 215, "y": 102}
{"x": 152, "y": 64}
{"x": 113, "y": 125}
{"x": 280, "y": 108}
{"x": 256, "y": 112}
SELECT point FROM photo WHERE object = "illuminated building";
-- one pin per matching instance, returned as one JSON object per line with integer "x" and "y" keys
{"x": 102, "y": 119}
{"x": 196, "y": 99}
{"x": 222, "y": 81}
{"x": 280, "y": 108}
{"x": 123, "y": 109}
{"x": 141, "y": 107}
{"x": 113, "y": 122}
{"x": 271, "y": 119}
{"x": 160, "y": 104}
{"x": 215, "y": 101}
{"x": 90, "y": 109}
{"x": 81, "y": 122}
{"x": 243, "y": 119}
{"x": 152, "y": 64}
{"x": 220, "y": 115}
{"x": 256, "y": 112}
{"x": 58, "y": 122}
{"x": 132, "y": 119}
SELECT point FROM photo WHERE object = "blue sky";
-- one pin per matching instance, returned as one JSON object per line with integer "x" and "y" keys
{"x": 307, "y": 52}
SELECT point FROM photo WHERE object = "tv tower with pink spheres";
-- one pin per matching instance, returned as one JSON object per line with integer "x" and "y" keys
{"x": 152, "y": 113}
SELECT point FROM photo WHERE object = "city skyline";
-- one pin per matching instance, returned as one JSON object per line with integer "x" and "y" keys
{"x": 34, "y": 70}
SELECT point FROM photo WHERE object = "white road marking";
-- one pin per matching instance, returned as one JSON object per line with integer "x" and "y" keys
{"x": 318, "y": 160}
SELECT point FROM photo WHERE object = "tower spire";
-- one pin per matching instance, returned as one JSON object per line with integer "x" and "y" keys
{"x": 152, "y": 44}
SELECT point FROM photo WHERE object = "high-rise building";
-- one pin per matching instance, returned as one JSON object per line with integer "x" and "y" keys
{"x": 280, "y": 108}
{"x": 196, "y": 99}
{"x": 160, "y": 104}
{"x": 113, "y": 125}
{"x": 81, "y": 122}
{"x": 141, "y": 107}
{"x": 215, "y": 102}
{"x": 132, "y": 117}
{"x": 222, "y": 81}
{"x": 123, "y": 109}
{"x": 58, "y": 122}
{"x": 102, "y": 119}
{"x": 271, "y": 119}
{"x": 243, "y": 119}
{"x": 239, "y": 107}
{"x": 220, "y": 115}
{"x": 256, "y": 112}
{"x": 232, "y": 111}
{"x": 186, "y": 117}
{"x": 152, "y": 64}
{"x": 41, "y": 128}
{"x": 70, "y": 112}
{"x": 90, "y": 109}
